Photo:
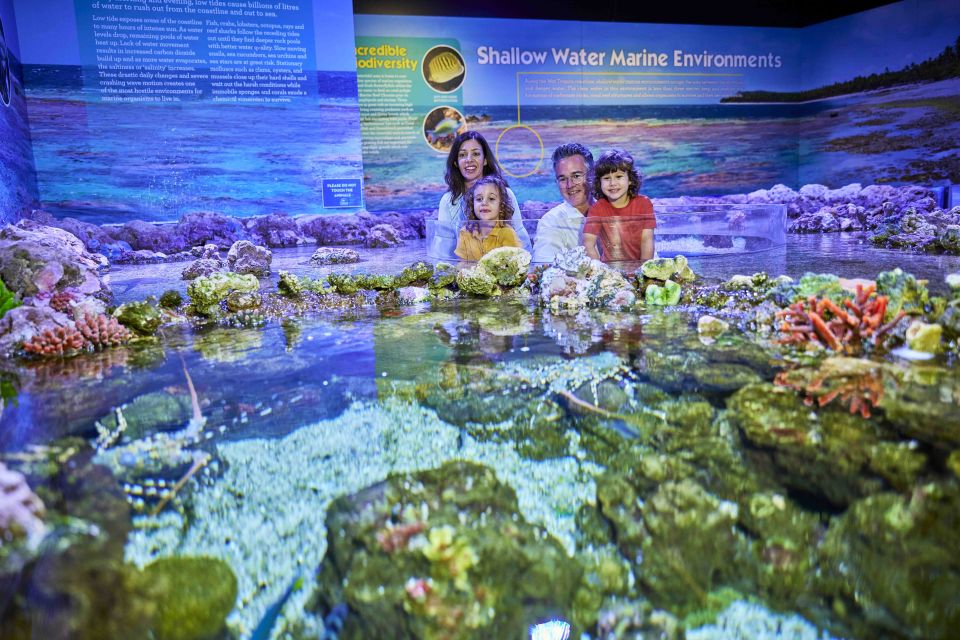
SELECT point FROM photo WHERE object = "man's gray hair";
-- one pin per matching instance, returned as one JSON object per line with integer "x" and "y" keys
{"x": 570, "y": 149}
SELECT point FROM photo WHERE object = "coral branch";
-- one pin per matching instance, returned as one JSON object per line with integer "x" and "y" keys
{"x": 56, "y": 342}
{"x": 825, "y": 323}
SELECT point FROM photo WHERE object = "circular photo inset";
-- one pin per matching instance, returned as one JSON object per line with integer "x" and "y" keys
{"x": 5, "y": 84}
{"x": 441, "y": 126}
{"x": 443, "y": 68}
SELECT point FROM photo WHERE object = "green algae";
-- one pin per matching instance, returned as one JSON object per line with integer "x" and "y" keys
{"x": 8, "y": 299}
{"x": 207, "y": 292}
{"x": 170, "y": 299}
{"x": 904, "y": 291}
{"x": 142, "y": 317}
{"x": 192, "y": 596}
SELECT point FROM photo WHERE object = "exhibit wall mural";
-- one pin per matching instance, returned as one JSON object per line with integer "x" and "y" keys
{"x": 152, "y": 109}
{"x": 887, "y": 89}
{"x": 529, "y": 85}
{"x": 18, "y": 185}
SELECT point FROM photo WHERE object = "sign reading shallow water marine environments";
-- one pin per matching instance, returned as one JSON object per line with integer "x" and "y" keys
{"x": 530, "y": 85}
{"x": 705, "y": 110}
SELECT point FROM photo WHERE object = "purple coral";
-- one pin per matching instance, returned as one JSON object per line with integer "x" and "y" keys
{"x": 21, "y": 511}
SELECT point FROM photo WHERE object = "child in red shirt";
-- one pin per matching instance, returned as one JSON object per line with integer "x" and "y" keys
{"x": 616, "y": 186}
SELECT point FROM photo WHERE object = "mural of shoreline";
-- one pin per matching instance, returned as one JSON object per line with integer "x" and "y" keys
{"x": 104, "y": 162}
{"x": 681, "y": 149}
{"x": 901, "y": 135}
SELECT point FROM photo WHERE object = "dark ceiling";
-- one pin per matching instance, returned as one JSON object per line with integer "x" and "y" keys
{"x": 774, "y": 13}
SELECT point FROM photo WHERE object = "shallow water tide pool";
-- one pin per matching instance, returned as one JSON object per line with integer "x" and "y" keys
{"x": 466, "y": 468}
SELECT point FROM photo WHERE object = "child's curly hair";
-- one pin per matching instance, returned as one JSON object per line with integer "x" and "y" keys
{"x": 506, "y": 208}
{"x": 616, "y": 160}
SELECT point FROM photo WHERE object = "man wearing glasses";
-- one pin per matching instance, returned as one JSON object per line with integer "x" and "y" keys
{"x": 560, "y": 227}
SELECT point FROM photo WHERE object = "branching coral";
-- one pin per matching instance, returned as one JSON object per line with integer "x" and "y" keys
{"x": 823, "y": 321}
{"x": 56, "y": 342}
{"x": 102, "y": 332}
{"x": 857, "y": 383}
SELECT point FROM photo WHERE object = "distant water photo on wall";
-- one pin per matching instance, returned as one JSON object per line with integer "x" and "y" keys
{"x": 107, "y": 162}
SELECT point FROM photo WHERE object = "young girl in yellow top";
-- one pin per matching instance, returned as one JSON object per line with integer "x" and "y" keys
{"x": 487, "y": 208}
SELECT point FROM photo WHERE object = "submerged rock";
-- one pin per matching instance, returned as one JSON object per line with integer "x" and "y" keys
{"x": 441, "y": 553}
{"x": 334, "y": 255}
{"x": 192, "y": 596}
{"x": 902, "y": 550}
{"x": 823, "y": 453}
{"x": 207, "y": 293}
{"x": 142, "y": 317}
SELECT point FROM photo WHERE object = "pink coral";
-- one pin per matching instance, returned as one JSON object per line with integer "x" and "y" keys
{"x": 21, "y": 511}
{"x": 56, "y": 342}
{"x": 62, "y": 301}
{"x": 101, "y": 331}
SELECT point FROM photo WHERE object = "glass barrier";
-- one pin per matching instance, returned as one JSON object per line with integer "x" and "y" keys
{"x": 690, "y": 230}
{"x": 468, "y": 241}
{"x": 712, "y": 229}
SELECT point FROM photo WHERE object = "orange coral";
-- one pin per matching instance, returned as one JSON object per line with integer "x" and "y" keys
{"x": 826, "y": 323}
{"x": 55, "y": 342}
{"x": 857, "y": 383}
{"x": 102, "y": 331}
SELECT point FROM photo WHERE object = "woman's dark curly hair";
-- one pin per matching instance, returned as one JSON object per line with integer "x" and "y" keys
{"x": 506, "y": 208}
{"x": 616, "y": 160}
{"x": 454, "y": 179}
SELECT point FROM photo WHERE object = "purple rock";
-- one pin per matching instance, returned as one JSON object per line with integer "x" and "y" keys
{"x": 246, "y": 257}
{"x": 92, "y": 236}
{"x": 202, "y": 267}
{"x": 142, "y": 235}
{"x": 276, "y": 230}
{"x": 816, "y": 222}
{"x": 383, "y": 236}
{"x": 209, "y": 251}
{"x": 336, "y": 229}
{"x": 206, "y": 227}
{"x": 142, "y": 256}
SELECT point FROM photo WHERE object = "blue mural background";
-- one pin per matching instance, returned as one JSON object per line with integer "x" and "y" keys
{"x": 18, "y": 183}
{"x": 78, "y": 155}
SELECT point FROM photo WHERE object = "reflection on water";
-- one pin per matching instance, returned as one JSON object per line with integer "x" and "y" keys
{"x": 637, "y": 467}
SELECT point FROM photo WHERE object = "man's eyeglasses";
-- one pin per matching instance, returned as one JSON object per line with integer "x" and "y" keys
{"x": 576, "y": 177}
